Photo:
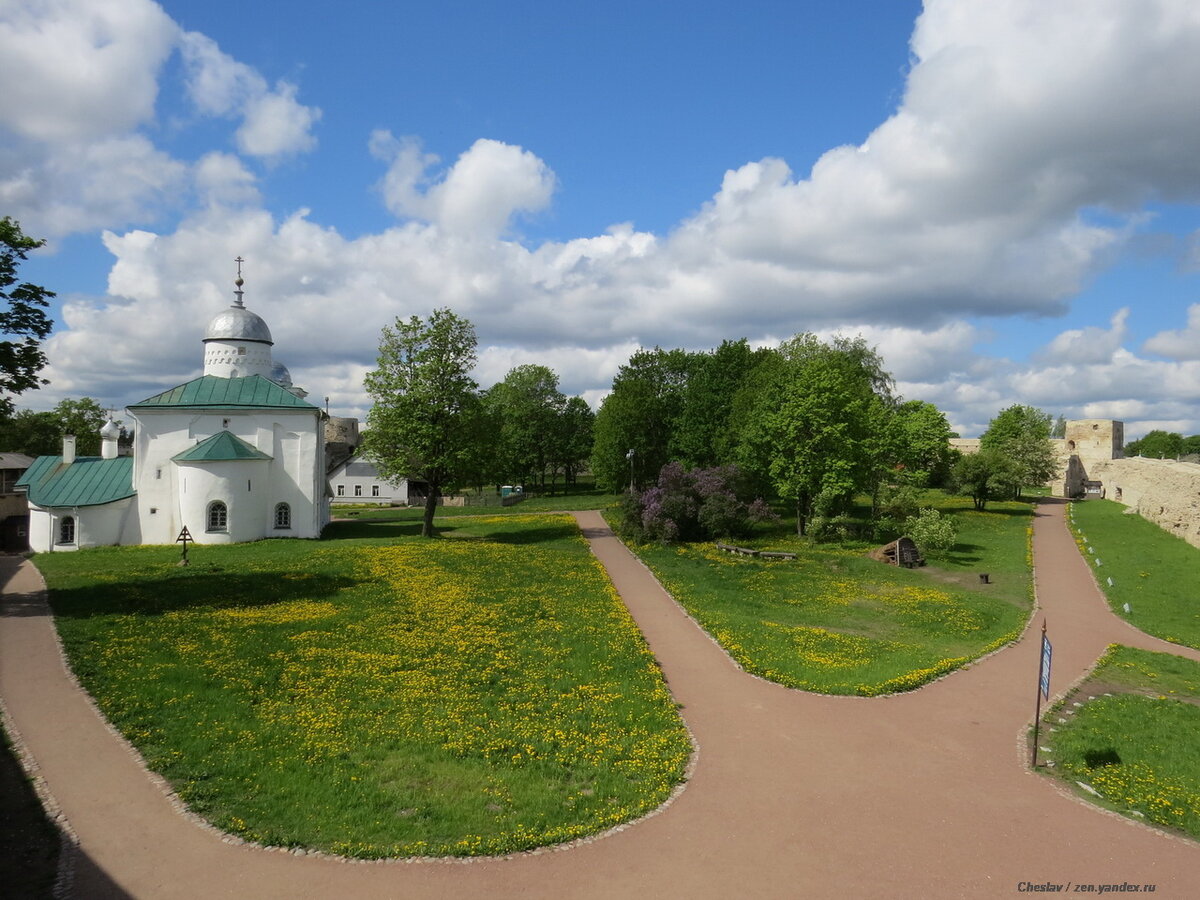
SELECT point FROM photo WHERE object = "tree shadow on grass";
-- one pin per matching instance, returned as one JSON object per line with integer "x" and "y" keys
{"x": 543, "y": 534}
{"x": 193, "y": 587}
{"x": 465, "y": 530}
{"x": 372, "y": 529}
{"x": 965, "y": 554}
{"x": 993, "y": 511}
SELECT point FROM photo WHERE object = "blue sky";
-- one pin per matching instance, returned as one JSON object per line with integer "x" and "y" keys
{"x": 1000, "y": 194}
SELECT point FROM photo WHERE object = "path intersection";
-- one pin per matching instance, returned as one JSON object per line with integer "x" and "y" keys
{"x": 925, "y": 794}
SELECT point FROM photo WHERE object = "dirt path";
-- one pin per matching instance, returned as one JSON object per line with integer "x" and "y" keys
{"x": 794, "y": 795}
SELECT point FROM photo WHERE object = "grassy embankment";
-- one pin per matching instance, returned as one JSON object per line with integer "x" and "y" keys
{"x": 377, "y": 694}
{"x": 1153, "y": 571}
{"x": 1133, "y": 739}
{"x": 836, "y": 622}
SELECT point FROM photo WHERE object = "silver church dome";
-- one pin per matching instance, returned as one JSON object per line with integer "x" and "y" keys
{"x": 280, "y": 375}
{"x": 238, "y": 324}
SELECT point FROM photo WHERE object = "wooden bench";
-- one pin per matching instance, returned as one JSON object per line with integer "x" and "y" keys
{"x": 761, "y": 554}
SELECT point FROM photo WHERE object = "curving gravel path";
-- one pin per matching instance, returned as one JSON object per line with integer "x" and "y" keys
{"x": 925, "y": 794}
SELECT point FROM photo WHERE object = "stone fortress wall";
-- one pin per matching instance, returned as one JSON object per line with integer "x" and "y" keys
{"x": 1162, "y": 491}
{"x": 1093, "y": 463}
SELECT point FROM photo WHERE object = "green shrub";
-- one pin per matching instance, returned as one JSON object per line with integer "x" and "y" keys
{"x": 932, "y": 532}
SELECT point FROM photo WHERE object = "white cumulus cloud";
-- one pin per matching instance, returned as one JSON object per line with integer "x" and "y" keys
{"x": 478, "y": 196}
{"x": 78, "y": 69}
{"x": 1088, "y": 345}
{"x": 1028, "y": 142}
{"x": 1181, "y": 344}
{"x": 274, "y": 123}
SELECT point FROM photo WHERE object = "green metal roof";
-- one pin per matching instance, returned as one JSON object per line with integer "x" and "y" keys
{"x": 209, "y": 391}
{"x": 221, "y": 446}
{"x": 88, "y": 481}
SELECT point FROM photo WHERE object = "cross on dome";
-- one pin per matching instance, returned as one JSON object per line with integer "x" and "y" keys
{"x": 238, "y": 282}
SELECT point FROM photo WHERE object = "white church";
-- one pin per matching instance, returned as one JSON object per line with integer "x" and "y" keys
{"x": 235, "y": 455}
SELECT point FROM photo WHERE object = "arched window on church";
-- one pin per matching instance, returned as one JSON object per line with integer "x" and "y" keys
{"x": 218, "y": 516}
{"x": 283, "y": 515}
{"x": 66, "y": 530}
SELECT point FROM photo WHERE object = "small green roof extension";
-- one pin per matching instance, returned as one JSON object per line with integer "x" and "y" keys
{"x": 211, "y": 392}
{"x": 88, "y": 481}
{"x": 224, "y": 445}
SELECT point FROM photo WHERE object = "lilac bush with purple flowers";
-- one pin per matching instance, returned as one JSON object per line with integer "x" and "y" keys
{"x": 693, "y": 505}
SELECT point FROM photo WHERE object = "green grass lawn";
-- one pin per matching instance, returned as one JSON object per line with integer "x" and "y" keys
{"x": 1137, "y": 746}
{"x": 1155, "y": 572}
{"x": 836, "y": 622}
{"x": 376, "y": 694}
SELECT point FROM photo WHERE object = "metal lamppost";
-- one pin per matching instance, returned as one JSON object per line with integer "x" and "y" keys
{"x": 629, "y": 456}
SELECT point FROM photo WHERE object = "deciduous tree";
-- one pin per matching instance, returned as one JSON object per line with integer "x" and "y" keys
{"x": 924, "y": 442}
{"x": 641, "y": 414}
{"x": 822, "y": 425}
{"x": 703, "y": 436}
{"x": 573, "y": 447}
{"x": 31, "y": 433}
{"x": 83, "y": 418}
{"x": 527, "y": 406}
{"x": 1022, "y": 433}
{"x": 23, "y": 321}
{"x": 425, "y": 419}
{"x": 41, "y": 433}
{"x": 1157, "y": 444}
{"x": 983, "y": 476}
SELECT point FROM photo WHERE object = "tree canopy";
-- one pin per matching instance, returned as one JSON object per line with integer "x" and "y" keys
{"x": 537, "y": 430}
{"x": 1158, "y": 444}
{"x": 924, "y": 436}
{"x": 426, "y": 421}
{"x": 640, "y": 414}
{"x": 702, "y": 436}
{"x": 811, "y": 421}
{"x": 823, "y": 426}
{"x": 987, "y": 475}
{"x": 23, "y": 321}
{"x": 525, "y": 408}
{"x": 41, "y": 433}
{"x": 1022, "y": 434}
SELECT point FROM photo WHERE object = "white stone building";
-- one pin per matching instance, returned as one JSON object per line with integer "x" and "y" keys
{"x": 356, "y": 480}
{"x": 235, "y": 455}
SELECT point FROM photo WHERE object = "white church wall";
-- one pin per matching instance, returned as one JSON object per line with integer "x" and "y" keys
{"x": 241, "y": 485}
{"x": 101, "y": 526}
{"x": 43, "y": 530}
{"x": 94, "y": 526}
{"x": 296, "y": 441}
{"x": 295, "y": 475}
{"x": 157, "y": 437}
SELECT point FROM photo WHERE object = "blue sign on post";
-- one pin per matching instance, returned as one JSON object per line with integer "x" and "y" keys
{"x": 1045, "y": 673}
